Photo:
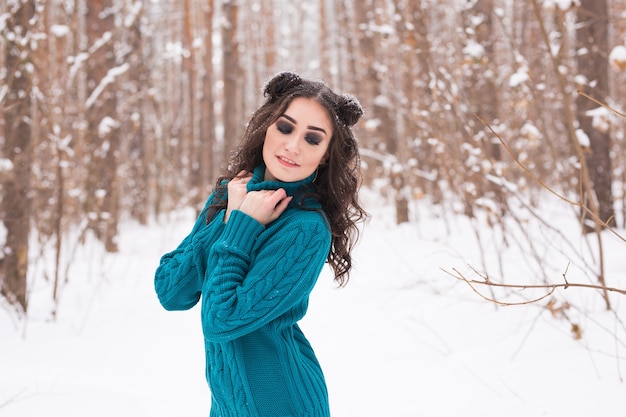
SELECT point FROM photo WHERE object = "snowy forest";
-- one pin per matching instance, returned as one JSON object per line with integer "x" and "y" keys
{"x": 493, "y": 154}
{"x": 122, "y": 110}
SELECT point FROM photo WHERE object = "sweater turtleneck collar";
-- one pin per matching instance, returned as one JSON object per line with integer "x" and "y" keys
{"x": 295, "y": 189}
{"x": 258, "y": 182}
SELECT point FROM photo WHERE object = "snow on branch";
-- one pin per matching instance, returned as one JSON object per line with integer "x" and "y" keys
{"x": 133, "y": 14}
{"x": 112, "y": 74}
{"x": 617, "y": 58}
{"x": 3, "y": 92}
{"x": 603, "y": 223}
{"x": 4, "y": 17}
{"x": 99, "y": 43}
{"x": 78, "y": 60}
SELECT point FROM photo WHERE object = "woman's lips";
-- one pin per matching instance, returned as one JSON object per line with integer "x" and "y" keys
{"x": 286, "y": 161}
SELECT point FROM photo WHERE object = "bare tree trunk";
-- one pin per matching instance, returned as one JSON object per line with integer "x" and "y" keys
{"x": 346, "y": 50}
{"x": 617, "y": 89}
{"x": 483, "y": 77}
{"x": 136, "y": 81}
{"x": 423, "y": 119}
{"x": 191, "y": 127}
{"x": 585, "y": 186}
{"x": 384, "y": 134}
{"x": 208, "y": 170}
{"x": 270, "y": 36}
{"x": 414, "y": 60}
{"x": 230, "y": 108}
{"x": 592, "y": 37}
{"x": 483, "y": 99}
{"x": 47, "y": 122}
{"x": 103, "y": 126}
{"x": 15, "y": 206}
{"x": 325, "y": 60}
{"x": 365, "y": 57}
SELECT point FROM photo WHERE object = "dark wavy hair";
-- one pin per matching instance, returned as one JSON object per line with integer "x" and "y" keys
{"x": 338, "y": 178}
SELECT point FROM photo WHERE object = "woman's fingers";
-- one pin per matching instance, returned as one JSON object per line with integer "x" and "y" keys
{"x": 281, "y": 207}
{"x": 237, "y": 190}
{"x": 265, "y": 206}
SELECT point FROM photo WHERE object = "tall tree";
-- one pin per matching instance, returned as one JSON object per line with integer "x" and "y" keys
{"x": 592, "y": 41}
{"x": 230, "y": 108}
{"x": 208, "y": 169}
{"x": 103, "y": 138}
{"x": 415, "y": 98}
{"x": 134, "y": 94}
{"x": 325, "y": 50}
{"x": 479, "y": 22}
{"x": 267, "y": 15}
{"x": 483, "y": 70}
{"x": 345, "y": 48}
{"x": 15, "y": 204}
{"x": 617, "y": 88}
{"x": 376, "y": 93}
{"x": 191, "y": 127}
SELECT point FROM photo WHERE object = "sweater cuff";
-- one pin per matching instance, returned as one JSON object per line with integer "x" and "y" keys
{"x": 241, "y": 231}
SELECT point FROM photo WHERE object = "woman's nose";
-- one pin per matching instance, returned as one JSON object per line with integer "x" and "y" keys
{"x": 292, "y": 144}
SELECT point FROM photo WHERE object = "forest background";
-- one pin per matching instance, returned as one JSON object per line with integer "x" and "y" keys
{"x": 117, "y": 110}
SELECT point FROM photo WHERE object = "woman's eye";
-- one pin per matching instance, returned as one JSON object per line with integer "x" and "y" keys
{"x": 313, "y": 139}
{"x": 287, "y": 129}
{"x": 284, "y": 128}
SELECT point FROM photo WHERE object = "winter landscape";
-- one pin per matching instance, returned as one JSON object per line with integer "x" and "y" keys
{"x": 490, "y": 280}
{"x": 404, "y": 338}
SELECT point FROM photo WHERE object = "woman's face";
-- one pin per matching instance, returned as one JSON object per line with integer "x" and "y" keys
{"x": 296, "y": 143}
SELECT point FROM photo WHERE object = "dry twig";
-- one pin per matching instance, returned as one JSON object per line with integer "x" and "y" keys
{"x": 551, "y": 288}
{"x": 602, "y": 223}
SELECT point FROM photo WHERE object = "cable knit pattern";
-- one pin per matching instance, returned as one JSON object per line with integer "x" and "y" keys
{"x": 178, "y": 279}
{"x": 255, "y": 283}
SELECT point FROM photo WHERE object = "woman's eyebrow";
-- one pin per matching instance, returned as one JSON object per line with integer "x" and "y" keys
{"x": 292, "y": 120}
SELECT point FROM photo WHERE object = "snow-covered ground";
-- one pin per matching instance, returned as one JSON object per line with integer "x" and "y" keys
{"x": 402, "y": 339}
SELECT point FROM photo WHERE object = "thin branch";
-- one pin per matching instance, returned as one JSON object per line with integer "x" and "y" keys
{"x": 471, "y": 284}
{"x": 551, "y": 287}
{"x": 606, "y": 106}
{"x": 582, "y": 206}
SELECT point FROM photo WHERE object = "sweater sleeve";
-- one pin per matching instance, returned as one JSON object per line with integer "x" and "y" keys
{"x": 178, "y": 278}
{"x": 244, "y": 291}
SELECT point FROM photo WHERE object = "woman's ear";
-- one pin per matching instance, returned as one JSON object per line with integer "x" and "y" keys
{"x": 324, "y": 159}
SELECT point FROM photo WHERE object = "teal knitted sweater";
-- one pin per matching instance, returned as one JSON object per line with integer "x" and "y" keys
{"x": 254, "y": 282}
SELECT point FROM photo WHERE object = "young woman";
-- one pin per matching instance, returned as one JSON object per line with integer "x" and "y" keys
{"x": 287, "y": 204}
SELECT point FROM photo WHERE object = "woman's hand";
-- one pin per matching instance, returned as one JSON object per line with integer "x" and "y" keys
{"x": 265, "y": 206}
{"x": 237, "y": 192}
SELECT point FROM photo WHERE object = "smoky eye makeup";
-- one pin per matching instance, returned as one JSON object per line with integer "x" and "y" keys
{"x": 313, "y": 139}
{"x": 284, "y": 127}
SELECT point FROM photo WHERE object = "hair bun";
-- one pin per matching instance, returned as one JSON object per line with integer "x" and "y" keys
{"x": 349, "y": 109}
{"x": 281, "y": 84}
